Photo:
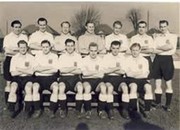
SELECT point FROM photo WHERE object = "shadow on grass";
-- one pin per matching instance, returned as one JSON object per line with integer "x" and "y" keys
{"x": 82, "y": 126}
{"x": 139, "y": 124}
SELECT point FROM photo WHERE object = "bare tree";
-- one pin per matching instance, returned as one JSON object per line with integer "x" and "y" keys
{"x": 134, "y": 15}
{"x": 82, "y": 16}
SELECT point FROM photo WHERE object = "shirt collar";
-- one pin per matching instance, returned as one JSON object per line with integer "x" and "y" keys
{"x": 87, "y": 33}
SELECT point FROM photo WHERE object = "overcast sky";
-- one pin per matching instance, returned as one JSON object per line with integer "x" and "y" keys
{"x": 28, "y": 13}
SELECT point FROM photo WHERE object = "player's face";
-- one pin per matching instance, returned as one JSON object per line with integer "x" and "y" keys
{"x": 93, "y": 50}
{"x": 135, "y": 51}
{"x": 42, "y": 26}
{"x": 65, "y": 28}
{"x": 70, "y": 47}
{"x": 142, "y": 28}
{"x": 117, "y": 29}
{"x": 16, "y": 29}
{"x": 115, "y": 49}
{"x": 22, "y": 49}
{"x": 163, "y": 27}
{"x": 46, "y": 48}
{"x": 90, "y": 28}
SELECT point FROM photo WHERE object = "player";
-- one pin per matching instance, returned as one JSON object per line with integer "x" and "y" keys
{"x": 59, "y": 43}
{"x": 11, "y": 48}
{"x": 21, "y": 69}
{"x": 137, "y": 70}
{"x": 117, "y": 36}
{"x": 87, "y": 38}
{"x": 45, "y": 77}
{"x": 92, "y": 74}
{"x": 69, "y": 66}
{"x": 114, "y": 72}
{"x": 163, "y": 66}
{"x": 37, "y": 37}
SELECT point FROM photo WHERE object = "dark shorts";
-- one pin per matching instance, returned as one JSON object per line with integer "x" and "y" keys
{"x": 140, "y": 83}
{"x": 163, "y": 67}
{"x": 150, "y": 76}
{"x": 70, "y": 81}
{"x": 45, "y": 81}
{"x": 21, "y": 81}
{"x": 6, "y": 68}
{"x": 93, "y": 82}
{"x": 114, "y": 80}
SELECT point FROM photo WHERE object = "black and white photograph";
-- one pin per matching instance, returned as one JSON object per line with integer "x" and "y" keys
{"x": 89, "y": 65}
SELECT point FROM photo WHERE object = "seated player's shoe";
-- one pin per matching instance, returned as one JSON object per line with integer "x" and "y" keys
{"x": 156, "y": 106}
{"x": 102, "y": 114}
{"x": 167, "y": 108}
{"x": 62, "y": 113}
{"x": 79, "y": 114}
{"x": 51, "y": 114}
{"x": 36, "y": 114}
{"x": 111, "y": 114}
{"x": 88, "y": 114}
{"x": 27, "y": 115}
{"x": 12, "y": 114}
{"x": 147, "y": 114}
{"x": 125, "y": 114}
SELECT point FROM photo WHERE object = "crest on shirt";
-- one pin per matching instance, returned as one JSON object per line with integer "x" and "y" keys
{"x": 167, "y": 41}
{"x": 26, "y": 64}
{"x": 140, "y": 66}
{"x": 97, "y": 67}
{"x": 117, "y": 64}
{"x": 75, "y": 64}
{"x": 146, "y": 41}
{"x": 50, "y": 61}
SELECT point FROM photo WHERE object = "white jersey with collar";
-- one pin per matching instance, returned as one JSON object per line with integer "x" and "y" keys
{"x": 49, "y": 59}
{"x": 37, "y": 37}
{"x": 163, "y": 39}
{"x": 89, "y": 64}
{"x": 143, "y": 40}
{"x": 120, "y": 37}
{"x": 86, "y": 39}
{"x": 22, "y": 61}
{"x": 111, "y": 61}
{"x": 138, "y": 64}
{"x": 11, "y": 40}
{"x": 59, "y": 41}
{"x": 69, "y": 60}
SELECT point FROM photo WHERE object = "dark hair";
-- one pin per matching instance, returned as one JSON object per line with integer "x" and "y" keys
{"x": 15, "y": 22}
{"x": 135, "y": 45}
{"x": 45, "y": 41}
{"x": 163, "y": 21}
{"x": 22, "y": 42}
{"x": 42, "y": 19}
{"x": 117, "y": 22}
{"x": 142, "y": 22}
{"x": 116, "y": 43}
{"x": 69, "y": 40}
{"x": 93, "y": 44}
{"x": 65, "y": 22}
{"x": 87, "y": 22}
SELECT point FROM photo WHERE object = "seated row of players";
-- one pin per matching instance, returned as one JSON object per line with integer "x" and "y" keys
{"x": 163, "y": 45}
{"x": 35, "y": 74}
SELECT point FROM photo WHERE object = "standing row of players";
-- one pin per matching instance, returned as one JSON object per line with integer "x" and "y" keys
{"x": 90, "y": 74}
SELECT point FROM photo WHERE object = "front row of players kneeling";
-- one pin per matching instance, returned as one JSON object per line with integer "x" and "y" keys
{"x": 70, "y": 72}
